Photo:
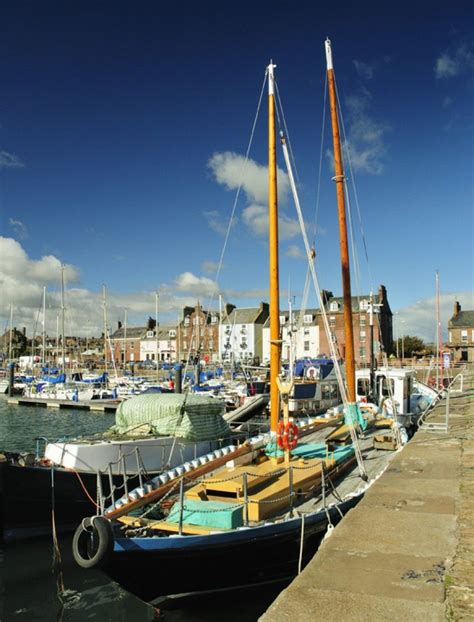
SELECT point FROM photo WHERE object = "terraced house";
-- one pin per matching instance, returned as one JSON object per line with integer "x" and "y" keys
{"x": 461, "y": 335}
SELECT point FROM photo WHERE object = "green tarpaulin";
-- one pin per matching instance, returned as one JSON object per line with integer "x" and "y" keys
{"x": 191, "y": 417}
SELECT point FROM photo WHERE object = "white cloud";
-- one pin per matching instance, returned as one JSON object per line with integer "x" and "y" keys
{"x": 9, "y": 160}
{"x": 217, "y": 223}
{"x": 231, "y": 170}
{"x": 294, "y": 251}
{"x": 454, "y": 62}
{"x": 210, "y": 267}
{"x": 22, "y": 280}
{"x": 365, "y": 137}
{"x": 364, "y": 70}
{"x": 256, "y": 219}
{"x": 200, "y": 286}
{"x": 19, "y": 228}
{"x": 419, "y": 319}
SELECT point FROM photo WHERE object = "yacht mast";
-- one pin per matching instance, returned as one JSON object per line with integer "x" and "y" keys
{"x": 275, "y": 342}
{"x": 339, "y": 178}
{"x": 43, "y": 357}
{"x": 63, "y": 308}
{"x": 156, "y": 337}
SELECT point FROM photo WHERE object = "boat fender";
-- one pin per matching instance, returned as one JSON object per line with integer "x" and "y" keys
{"x": 93, "y": 542}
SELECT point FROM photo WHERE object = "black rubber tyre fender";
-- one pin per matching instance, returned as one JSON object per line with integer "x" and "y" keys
{"x": 93, "y": 542}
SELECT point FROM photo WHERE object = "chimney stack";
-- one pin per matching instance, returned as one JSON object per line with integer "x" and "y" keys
{"x": 119, "y": 323}
{"x": 457, "y": 308}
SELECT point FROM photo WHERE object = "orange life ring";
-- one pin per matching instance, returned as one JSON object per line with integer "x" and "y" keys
{"x": 287, "y": 435}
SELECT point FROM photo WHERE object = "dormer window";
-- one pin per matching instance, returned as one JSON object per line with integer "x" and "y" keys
{"x": 364, "y": 305}
{"x": 334, "y": 306}
{"x": 172, "y": 333}
{"x": 186, "y": 320}
{"x": 150, "y": 333}
{"x": 282, "y": 319}
{"x": 214, "y": 319}
{"x": 307, "y": 318}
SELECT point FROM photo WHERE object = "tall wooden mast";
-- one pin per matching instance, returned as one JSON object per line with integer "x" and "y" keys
{"x": 339, "y": 178}
{"x": 275, "y": 343}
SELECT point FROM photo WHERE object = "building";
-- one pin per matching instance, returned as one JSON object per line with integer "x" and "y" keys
{"x": 159, "y": 346}
{"x": 310, "y": 339}
{"x": 241, "y": 334}
{"x": 361, "y": 314}
{"x": 461, "y": 335}
{"x": 301, "y": 330}
{"x": 125, "y": 343}
{"x": 198, "y": 333}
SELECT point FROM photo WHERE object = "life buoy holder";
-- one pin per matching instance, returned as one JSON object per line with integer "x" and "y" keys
{"x": 93, "y": 542}
{"x": 312, "y": 373}
{"x": 287, "y": 435}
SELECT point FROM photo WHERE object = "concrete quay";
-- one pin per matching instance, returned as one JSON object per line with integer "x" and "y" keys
{"x": 406, "y": 552}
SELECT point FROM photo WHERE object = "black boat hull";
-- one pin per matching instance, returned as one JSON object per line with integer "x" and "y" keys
{"x": 151, "y": 568}
{"x": 26, "y": 498}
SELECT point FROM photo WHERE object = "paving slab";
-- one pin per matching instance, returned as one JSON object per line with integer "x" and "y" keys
{"x": 406, "y": 551}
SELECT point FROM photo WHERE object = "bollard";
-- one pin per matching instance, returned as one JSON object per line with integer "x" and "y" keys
{"x": 178, "y": 378}
{"x": 11, "y": 379}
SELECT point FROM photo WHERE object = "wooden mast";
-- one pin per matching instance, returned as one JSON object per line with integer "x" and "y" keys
{"x": 275, "y": 343}
{"x": 339, "y": 178}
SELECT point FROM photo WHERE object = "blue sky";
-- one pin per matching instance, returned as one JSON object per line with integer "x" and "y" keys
{"x": 122, "y": 132}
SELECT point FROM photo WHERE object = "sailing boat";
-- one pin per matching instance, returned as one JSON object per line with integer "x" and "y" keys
{"x": 248, "y": 513}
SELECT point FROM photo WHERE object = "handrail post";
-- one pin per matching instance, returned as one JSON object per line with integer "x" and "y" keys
{"x": 111, "y": 484}
{"x": 100, "y": 494}
{"x": 246, "y": 500}
{"x": 290, "y": 478}
{"x": 139, "y": 470}
{"x": 181, "y": 505}
{"x": 124, "y": 475}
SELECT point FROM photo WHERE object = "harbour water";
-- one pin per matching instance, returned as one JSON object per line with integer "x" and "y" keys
{"x": 28, "y": 586}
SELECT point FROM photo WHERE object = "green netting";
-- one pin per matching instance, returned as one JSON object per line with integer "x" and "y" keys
{"x": 216, "y": 514}
{"x": 312, "y": 450}
{"x": 191, "y": 417}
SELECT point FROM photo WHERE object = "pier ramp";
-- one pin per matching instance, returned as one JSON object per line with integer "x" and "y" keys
{"x": 406, "y": 551}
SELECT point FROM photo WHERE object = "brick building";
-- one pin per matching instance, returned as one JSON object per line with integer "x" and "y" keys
{"x": 198, "y": 333}
{"x": 461, "y": 335}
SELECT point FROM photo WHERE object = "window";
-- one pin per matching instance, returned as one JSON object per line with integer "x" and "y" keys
{"x": 214, "y": 319}
{"x": 306, "y": 331}
{"x": 450, "y": 337}
{"x": 306, "y": 346}
{"x": 362, "y": 320}
{"x": 282, "y": 319}
{"x": 332, "y": 321}
{"x": 150, "y": 333}
{"x": 147, "y": 357}
{"x": 464, "y": 336}
{"x": 186, "y": 320}
{"x": 307, "y": 318}
{"x": 172, "y": 333}
{"x": 211, "y": 344}
{"x": 362, "y": 335}
{"x": 363, "y": 386}
{"x": 333, "y": 337}
{"x": 362, "y": 353}
{"x": 132, "y": 345}
{"x": 334, "y": 306}
{"x": 364, "y": 304}
{"x": 185, "y": 345}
